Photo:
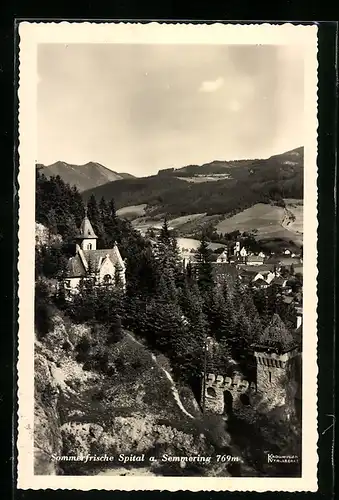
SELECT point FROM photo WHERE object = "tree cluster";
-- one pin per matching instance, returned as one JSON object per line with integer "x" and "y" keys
{"x": 175, "y": 310}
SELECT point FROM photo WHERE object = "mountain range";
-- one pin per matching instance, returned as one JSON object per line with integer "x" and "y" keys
{"x": 85, "y": 177}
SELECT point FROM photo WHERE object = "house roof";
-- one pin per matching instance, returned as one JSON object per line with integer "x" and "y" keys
{"x": 278, "y": 280}
{"x": 259, "y": 281}
{"x": 248, "y": 272}
{"x": 255, "y": 258}
{"x": 86, "y": 229}
{"x": 284, "y": 260}
{"x": 258, "y": 269}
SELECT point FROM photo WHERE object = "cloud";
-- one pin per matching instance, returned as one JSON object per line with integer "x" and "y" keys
{"x": 212, "y": 85}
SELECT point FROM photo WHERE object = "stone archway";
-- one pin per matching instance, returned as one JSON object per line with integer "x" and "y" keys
{"x": 211, "y": 392}
{"x": 228, "y": 402}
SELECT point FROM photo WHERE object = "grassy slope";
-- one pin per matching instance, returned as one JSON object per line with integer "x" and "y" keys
{"x": 269, "y": 221}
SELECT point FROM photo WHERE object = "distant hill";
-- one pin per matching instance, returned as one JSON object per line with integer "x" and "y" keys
{"x": 85, "y": 177}
{"x": 236, "y": 185}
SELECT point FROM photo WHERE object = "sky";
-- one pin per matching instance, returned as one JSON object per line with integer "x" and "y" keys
{"x": 141, "y": 108}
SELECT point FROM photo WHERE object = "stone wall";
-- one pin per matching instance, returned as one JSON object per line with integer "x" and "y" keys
{"x": 223, "y": 394}
{"x": 277, "y": 378}
{"x": 278, "y": 382}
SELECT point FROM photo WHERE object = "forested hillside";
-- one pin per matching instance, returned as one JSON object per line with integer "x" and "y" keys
{"x": 248, "y": 182}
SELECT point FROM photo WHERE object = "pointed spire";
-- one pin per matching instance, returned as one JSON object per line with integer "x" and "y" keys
{"x": 86, "y": 229}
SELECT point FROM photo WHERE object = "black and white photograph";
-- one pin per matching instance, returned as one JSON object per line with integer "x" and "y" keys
{"x": 171, "y": 190}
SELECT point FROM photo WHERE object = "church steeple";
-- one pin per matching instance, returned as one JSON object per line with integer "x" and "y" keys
{"x": 87, "y": 237}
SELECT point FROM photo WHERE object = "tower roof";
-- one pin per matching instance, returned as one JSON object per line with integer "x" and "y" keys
{"x": 86, "y": 229}
{"x": 276, "y": 335}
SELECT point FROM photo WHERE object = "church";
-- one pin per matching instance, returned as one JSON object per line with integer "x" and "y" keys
{"x": 104, "y": 265}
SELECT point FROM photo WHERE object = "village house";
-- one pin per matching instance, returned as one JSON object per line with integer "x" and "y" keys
{"x": 223, "y": 257}
{"x": 255, "y": 260}
{"x": 104, "y": 265}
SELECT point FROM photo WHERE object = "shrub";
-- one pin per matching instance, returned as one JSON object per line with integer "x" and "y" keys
{"x": 83, "y": 349}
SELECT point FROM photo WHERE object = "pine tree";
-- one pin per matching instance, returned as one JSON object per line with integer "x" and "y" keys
{"x": 52, "y": 224}
{"x": 204, "y": 267}
{"x": 71, "y": 230}
{"x": 165, "y": 235}
{"x": 238, "y": 294}
{"x": 93, "y": 213}
{"x": 167, "y": 256}
{"x": 243, "y": 339}
{"x": 103, "y": 208}
{"x": 111, "y": 226}
{"x": 165, "y": 323}
{"x": 84, "y": 304}
{"x": 77, "y": 208}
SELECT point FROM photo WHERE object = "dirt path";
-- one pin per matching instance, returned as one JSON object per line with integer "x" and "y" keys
{"x": 169, "y": 377}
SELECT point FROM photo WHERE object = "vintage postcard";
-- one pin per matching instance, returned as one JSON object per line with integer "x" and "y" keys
{"x": 167, "y": 256}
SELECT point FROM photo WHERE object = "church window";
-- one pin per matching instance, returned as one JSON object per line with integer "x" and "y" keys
{"x": 269, "y": 376}
{"x": 89, "y": 246}
{"x": 107, "y": 279}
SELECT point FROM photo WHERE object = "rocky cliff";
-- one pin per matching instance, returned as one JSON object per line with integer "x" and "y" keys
{"x": 135, "y": 411}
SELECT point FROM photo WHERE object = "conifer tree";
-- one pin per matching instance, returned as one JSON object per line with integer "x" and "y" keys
{"x": 84, "y": 304}
{"x": 204, "y": 266}
{"x": 71, "y": 230}
{"x": 243, "y": 339}
{"x": 165, "y": 235}
{"x": 103, "y": 208}
{"x": 77, "y": 208}
{"x": 239, "y": 295}
{"x": 93, "y": 213}
{"x": 111, "y": 225}
{"x": 167, "y": 255}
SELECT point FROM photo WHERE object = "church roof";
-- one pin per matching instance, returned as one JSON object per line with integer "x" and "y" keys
{"x": 86, "y": 229}
{"x": 94, "y": 258}
{"x": 75, "y": 267}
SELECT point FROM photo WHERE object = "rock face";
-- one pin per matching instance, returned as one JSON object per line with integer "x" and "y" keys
{"x": 129, "y": 435}
{"x": 47, "y": 433}
{"x": 79, "y": 411}
{"x": 44, "y": 237}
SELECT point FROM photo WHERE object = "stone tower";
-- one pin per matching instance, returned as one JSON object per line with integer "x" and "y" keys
{"x": 87, "y": 239}
{"x": 277, "y": 355}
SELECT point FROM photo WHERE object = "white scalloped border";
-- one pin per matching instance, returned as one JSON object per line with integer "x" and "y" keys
{"x": 30, "y": 35}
